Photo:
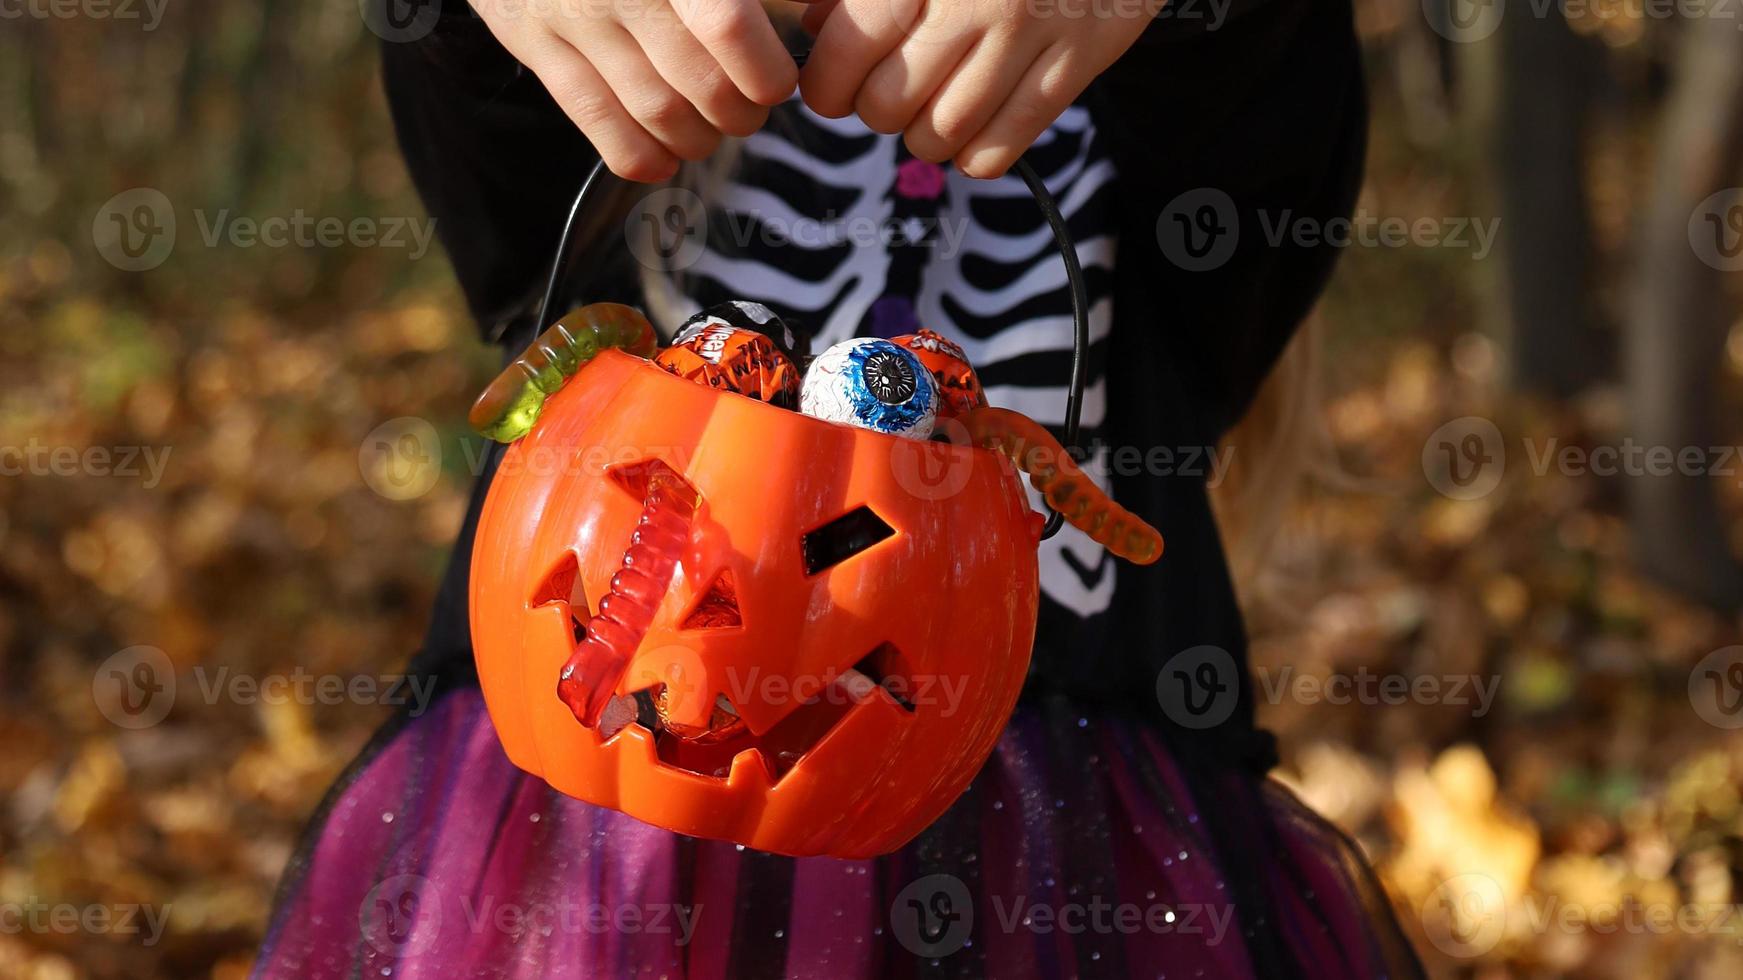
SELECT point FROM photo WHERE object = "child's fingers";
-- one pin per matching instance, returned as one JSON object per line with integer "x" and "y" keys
{"x": 970, "y": 99}
{"x": 812, "y": 20}
{"x": 1046, "y": 90}
{"x": 855, "y": 37}
{"x": 688, "y": 67}
{"x": 581, "y": 92}
{"x": 740, "y": 36}
{"x": 900, "y": 84}
{"x": 656, "y": 105}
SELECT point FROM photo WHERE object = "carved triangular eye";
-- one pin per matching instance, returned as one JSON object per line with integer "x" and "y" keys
{"x": 634, "y": 478}
{"x": 718, "y": 608}
{"x": 842, "y": 538}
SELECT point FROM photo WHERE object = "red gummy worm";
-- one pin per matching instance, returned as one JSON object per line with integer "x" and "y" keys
{"x": 591, "y": 675}
{"x": 1066, "y": 489}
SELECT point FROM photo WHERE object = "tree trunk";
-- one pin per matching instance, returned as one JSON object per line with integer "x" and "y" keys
{"x": 1545, "y": 74}
{"x": 1674, "y": 340}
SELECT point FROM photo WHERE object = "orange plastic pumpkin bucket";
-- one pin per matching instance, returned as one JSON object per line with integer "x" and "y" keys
{"x": 848, "y": 637}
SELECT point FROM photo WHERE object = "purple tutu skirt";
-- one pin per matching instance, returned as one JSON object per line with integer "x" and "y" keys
{"x": 1078, "y": 852}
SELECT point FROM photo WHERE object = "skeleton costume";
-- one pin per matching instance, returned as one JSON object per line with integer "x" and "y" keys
{"x": 1124, "y": 825}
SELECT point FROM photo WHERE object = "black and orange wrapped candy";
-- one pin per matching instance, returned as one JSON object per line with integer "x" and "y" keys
{"x": 734, "y": 359}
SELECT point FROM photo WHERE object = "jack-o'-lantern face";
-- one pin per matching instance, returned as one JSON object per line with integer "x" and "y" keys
{"x": 833, "y": 659}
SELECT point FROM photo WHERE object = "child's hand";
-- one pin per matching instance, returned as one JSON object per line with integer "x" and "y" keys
{"x": 650, "y": 81}
{"x": 974, "y": 81}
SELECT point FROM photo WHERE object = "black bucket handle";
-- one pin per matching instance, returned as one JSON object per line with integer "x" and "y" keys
{"x": 569, "y": 252}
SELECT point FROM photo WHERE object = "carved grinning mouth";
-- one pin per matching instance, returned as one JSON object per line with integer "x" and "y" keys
{"x": 869, "y": 683}
{"x": 780, "y": 748}
{"x": 877, "y": 678}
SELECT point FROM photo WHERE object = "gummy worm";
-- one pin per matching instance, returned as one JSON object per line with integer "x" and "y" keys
{"x": 511, "y": 404}
{"x": 1066, "y": 489}
{"x": 591, "y": 675}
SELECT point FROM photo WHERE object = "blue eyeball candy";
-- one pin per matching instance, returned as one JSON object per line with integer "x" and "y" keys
{"x": 873, "y": 384}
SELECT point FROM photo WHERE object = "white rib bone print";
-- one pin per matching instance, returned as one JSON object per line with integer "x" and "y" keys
{"x": 1011, "y": 313}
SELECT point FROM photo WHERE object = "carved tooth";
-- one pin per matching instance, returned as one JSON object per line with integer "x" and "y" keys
{"x": 636, "y": 745}
{"x": 752, "y": 767}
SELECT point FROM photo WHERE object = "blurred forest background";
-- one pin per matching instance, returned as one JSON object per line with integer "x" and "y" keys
{"x": 1605, "y": 773}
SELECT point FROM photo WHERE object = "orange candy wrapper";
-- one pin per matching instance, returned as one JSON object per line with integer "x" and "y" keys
{"x": 959, "y": 390}
{"x": 734, "y": 359}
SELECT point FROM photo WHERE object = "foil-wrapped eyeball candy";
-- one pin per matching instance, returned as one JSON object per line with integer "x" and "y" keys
{"x": 732, "y": 358}
{"x": 959, "y": 390}
{"x": 755, "y": 317}
{"x": 873, "y": 384}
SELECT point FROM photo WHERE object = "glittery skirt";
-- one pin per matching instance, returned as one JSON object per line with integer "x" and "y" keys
{"x": 1079, "y": 851}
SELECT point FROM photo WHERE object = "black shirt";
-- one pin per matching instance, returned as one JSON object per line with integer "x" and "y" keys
{"x": 1215, "y": 127}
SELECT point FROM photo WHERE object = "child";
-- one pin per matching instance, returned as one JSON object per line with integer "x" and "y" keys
{"x": 1124, "y": 825}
